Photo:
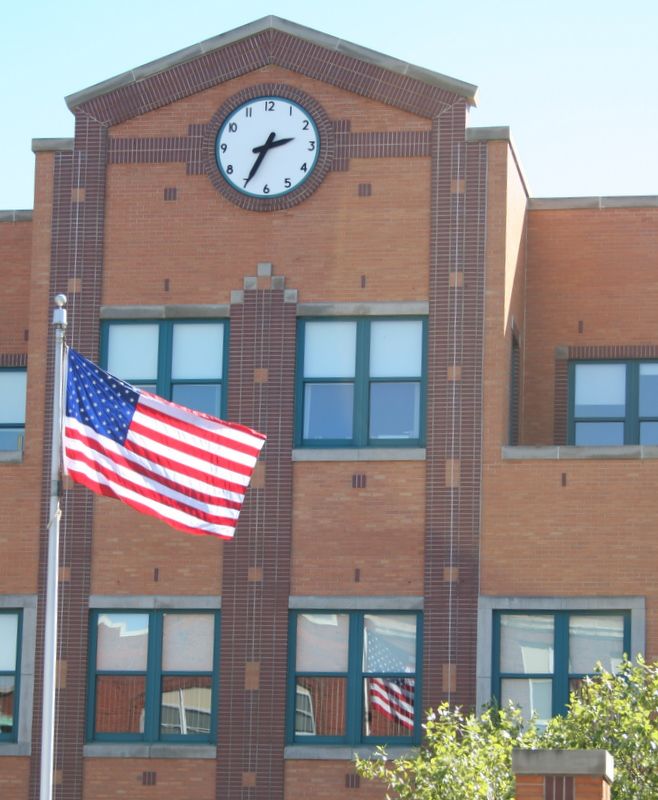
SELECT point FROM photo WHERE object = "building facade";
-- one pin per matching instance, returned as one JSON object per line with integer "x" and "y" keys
{"x": 459, "y": 386}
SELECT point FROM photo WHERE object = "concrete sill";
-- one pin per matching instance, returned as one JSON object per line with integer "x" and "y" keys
{"x": 338, "y": 752}
{"x": 159, "y": 750}
{"x": 11, "y": 456}
{"x": 359, "y": 454}
{"x": 634, "y": 452}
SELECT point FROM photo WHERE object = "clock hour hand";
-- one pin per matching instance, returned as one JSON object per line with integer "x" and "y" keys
{"x": 262, "y": 150}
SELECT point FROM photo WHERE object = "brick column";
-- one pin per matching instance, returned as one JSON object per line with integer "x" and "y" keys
{"x": 563, "y": 774}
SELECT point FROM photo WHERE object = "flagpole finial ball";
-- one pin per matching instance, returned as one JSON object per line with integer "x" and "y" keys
{"x": 60, "y": 300}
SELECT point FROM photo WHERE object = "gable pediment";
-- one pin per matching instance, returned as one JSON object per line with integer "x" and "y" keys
{"x": 270, "y": 40}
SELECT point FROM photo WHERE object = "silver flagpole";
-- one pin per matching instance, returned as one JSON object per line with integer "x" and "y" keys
{"x": 50, "y": 642}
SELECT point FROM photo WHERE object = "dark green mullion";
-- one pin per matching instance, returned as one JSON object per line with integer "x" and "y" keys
{"x": 91, "y": 677}
{"x": 165, "y": 355}
{"x": 631, "y": 421}
{"x": 361, "y": 409}
{"x": 354, "y": 695}
{"x": 418, "y": 678}
{"x": 223, "y": 401}
{"x": 291, "y": 703}
{"x": 560, "y": 662}
{"x": 215, "y": 678}
{"x": 422, "y": 429}
{"x": 153, "y": 678}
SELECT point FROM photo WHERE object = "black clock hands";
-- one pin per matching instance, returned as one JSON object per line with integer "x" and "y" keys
{"x": 263, "y": 150}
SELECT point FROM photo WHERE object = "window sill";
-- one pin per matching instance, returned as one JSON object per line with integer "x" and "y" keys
{"x": 339, "y": 752}
{"x": 11, "y": 456}
{"x": 15, "y": 749}
{"x": 359, "y": 454}
{"x": 634, "y": 452}
{"x": 154, "y": 750}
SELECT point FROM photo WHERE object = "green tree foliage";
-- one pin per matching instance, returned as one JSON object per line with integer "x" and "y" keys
{"x": 618, "y": 713}
{"x": 463, "y": 756}
{"x": 466, "y": 756}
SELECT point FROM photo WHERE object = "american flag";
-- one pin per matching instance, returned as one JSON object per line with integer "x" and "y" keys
{"x": 392, "y": 697}
{"x": 183, "y": 466}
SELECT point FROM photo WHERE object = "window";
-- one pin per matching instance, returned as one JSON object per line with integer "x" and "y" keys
{"x": 614, "y": 403}
{"x": 539, "y": 657}
{"x": 181, "y": 361}
{"x": 354, "y": 677}
{"x": 361, "y": 382}
{"x": 12, "y": 408}
{"x": 153, "y": 676}
{"x": 10, "y": 636}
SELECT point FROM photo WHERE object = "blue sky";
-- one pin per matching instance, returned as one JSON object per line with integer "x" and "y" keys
{"x": 574, "y": 79}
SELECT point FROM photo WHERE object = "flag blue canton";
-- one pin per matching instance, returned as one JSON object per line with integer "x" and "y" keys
{"x": 99, "y": 400}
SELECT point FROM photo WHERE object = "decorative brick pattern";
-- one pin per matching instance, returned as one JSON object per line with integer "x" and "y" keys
{"x": 76, "y": 253}
{"x": 454, "y": 413}
{"x": 254, "y": 644}
{"x": 13, "y": 360}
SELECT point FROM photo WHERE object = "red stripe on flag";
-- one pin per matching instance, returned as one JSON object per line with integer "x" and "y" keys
{"x": 148, "y": 492}
{"x": 170, "y": 464}
{"x": 102, "y": 489}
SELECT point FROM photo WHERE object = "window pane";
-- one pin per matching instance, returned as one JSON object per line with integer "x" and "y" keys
{"x": 197, "y": 351}
{"x": 12, "y": 438}
{"x": 329, "y": 349}
{"x": 204, "y": 397}
{"x": 7, "y": 695}
{"x": 600, "y": 390}
{"x": 186, "y": 705}
{"x": 389, "y": 643}
{"x": 328, "y": 409}
{"x": 597, "y": 434}
{"x": 122, "y": 641}
{"x": 595, "y": 638}
{"x": 394, "y": 410}
{"x": 388, "y": 706}
{"x": 120, "y": 703}
{"x": 649, "y": 433}
{"x": 649, "y": 390}
{"x": 531, "y": 695}
{"x": 187, "y": 642}
{"x": 12, "y": 396}
{"x": 322, "y": 642}
{"x": 133, "y": 351}
{"x": 396, "y": 349}
{"x": 526, "y": 643}
{"x": 320, "y": 706}
{"x": 8, "y": 641}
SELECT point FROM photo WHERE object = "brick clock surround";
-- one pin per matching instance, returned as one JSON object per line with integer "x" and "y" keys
{"x": 256, "y": 566}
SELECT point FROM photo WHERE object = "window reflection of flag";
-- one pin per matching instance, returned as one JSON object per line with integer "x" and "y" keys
{"x": 394, "y": 697}
{"x": 391, "y": 696}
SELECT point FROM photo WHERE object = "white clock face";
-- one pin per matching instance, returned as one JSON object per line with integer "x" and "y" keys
{"x": 267, "y": 146}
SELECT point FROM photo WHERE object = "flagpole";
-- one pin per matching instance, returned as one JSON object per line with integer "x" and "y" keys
{"x": 50, "y": 638}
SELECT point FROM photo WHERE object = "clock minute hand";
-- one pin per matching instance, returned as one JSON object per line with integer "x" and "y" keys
{"x": 262, "y": 150}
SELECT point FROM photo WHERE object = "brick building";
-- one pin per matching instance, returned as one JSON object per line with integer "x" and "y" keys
{"x": 459, "y": 385}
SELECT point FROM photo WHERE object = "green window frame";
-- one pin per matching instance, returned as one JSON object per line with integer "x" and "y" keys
{"x": 13, "y": 385}
{"x": 613, "y": 402}
{"x": 10, "y": 669}
{"x": 354, "y": 677}
{"x": 358, "y": 401}
{"x": 157, "y": 363}
{"x": 542, "y": 655}
{"x": 144, "y": 684}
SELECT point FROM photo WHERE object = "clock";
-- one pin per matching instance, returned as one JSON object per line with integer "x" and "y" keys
{"x": 268, "y": 146}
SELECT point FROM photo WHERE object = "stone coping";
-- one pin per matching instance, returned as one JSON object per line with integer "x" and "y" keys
{"x": 635, "y": 452}
{"x": 16, "y": 215}
{"x": 51, "y": 145}
{"x": 564, "y": 762}
{"x": 622, "y": 201}
{"x": 460, "y": 88}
